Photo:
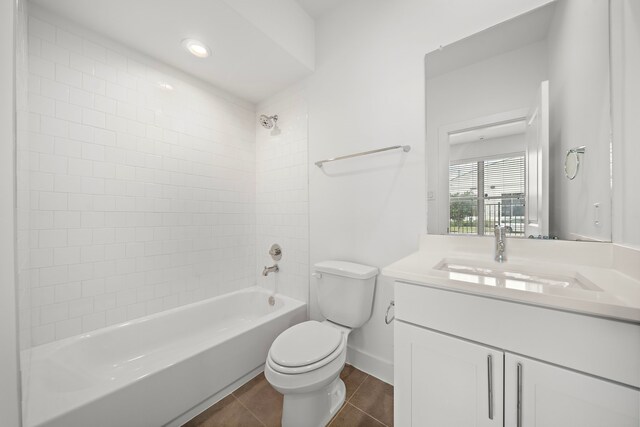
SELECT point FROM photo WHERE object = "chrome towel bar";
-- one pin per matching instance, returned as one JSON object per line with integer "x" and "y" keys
{"x": 405, "y": 148}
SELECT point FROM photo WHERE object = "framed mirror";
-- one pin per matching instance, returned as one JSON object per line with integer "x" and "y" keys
{"x": 504, "y": 107}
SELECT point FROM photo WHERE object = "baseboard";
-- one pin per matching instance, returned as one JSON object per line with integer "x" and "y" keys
{"x": 204, "y": 405}
{"x": 372, "y": 365}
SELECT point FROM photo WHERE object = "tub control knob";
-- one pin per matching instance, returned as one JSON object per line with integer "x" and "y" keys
{"x": 275, "y": 252}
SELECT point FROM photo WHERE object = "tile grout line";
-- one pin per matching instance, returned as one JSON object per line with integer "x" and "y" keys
{"x": 356, "y": 390}
{"x": 368, "y": 414}
{"x": 250, "y": 411}
{"x": 346, "y": 402}
{"x": 333, "y": 419}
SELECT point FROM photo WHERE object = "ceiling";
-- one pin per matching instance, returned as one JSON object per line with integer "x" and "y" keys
{"x": 258, "y": 48}
{"x": 515, "y": 33}
{"x": 317, "y": 8}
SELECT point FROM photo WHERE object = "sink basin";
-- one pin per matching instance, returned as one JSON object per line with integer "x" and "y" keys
{"x": 512, "y": 276}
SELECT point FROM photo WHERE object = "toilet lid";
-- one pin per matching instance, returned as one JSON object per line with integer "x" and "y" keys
{"x": 304, "y": 344}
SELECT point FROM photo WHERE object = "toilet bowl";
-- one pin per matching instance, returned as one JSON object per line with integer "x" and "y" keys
{"x": 304, "y": 364}
{"x": 305, "y": 361}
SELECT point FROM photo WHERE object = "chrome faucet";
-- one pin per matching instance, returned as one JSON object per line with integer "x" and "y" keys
{"x": 273, "y": 269}
{"x": 501, "y": 243}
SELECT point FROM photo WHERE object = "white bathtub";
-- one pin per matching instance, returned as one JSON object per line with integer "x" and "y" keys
{"x": 155, "y": 370}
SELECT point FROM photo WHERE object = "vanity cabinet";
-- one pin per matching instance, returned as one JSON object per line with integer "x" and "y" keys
{"x": 459, "y": 362}
{"x": 443, "y": 381}
{"x": 551, "y": 396}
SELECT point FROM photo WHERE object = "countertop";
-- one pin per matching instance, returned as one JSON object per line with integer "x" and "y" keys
{"x": 611, "y": 271}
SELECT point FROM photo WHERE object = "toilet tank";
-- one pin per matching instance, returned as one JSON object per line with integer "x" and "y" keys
{"x": 345, "y": 291}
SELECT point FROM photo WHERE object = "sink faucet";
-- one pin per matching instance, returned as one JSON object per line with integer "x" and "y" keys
{"x": 273, "y": 269}
{"x": 501, "y": 243}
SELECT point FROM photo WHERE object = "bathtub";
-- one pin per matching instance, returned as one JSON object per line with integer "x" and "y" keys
{"x": 157, "y": 370}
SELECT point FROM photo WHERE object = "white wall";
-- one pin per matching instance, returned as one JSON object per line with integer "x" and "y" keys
{"x": 9, "y": 373}
{"x": 142, "y": 198}
{"x": 282, "y": 194}
{"x": 368, "y": 92}
{"x": 578, "y": 59}
{"x": 626, "y": 109}
{"x": 499, "y": 84}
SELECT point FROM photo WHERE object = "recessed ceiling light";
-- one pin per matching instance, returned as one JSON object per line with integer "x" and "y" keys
{"x": 196, "y": 48}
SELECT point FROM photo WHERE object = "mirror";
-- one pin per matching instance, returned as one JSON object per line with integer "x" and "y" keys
{"x": 511, "y": 113}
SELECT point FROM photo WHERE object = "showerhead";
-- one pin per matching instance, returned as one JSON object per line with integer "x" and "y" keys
{"x": 268, "y": 122}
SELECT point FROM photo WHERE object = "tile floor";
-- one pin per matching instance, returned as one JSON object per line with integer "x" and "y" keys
{"x": 369, "y": 403}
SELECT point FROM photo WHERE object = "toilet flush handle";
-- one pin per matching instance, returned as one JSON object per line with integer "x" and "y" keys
{"x": 316, "y": 275}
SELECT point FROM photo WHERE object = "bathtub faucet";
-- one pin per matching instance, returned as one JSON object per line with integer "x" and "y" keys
{"x": 273, "y": 269}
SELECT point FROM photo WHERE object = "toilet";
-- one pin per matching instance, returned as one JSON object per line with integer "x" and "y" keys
{"x": 305, "y": 361}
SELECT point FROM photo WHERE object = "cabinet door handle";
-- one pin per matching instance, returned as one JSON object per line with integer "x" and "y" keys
{"x": 519, "y": 398}
{"x": 490, "y": 384}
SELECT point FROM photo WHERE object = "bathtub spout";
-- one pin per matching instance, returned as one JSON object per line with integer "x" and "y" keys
{"x": 273, "y": 269}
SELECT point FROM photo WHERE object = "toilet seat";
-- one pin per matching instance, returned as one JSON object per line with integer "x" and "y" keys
{"x": 306, "y": 347}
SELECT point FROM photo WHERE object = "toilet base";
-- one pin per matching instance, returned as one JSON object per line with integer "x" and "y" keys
{"x": 313, "y": 409}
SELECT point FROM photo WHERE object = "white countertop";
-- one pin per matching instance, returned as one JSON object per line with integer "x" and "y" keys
{"x": 612, "y": 272}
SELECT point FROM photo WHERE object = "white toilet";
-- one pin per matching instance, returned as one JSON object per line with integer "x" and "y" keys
{"x": 305, "y": 361}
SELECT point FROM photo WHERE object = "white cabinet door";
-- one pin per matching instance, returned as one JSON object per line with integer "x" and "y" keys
{"x": 442, "y": 381}
{"x": 556, "y": 397}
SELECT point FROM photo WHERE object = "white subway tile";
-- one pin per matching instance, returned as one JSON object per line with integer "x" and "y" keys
{"x": 42, "y": 334}
{"x": 42, "y": 30}
{"x": 155, "y": 185}
{"x": 116, "y": 315}
{"x": 92, "y": 219}
{"x": 52, "y": 163}
{"x": 67, "y": 292}
{"x": 41, "y": 143}
{"x": 41, "y": 105}
{"x": 92, "y": 287}
{"x": 42, "y": 296}
{"x": 68, "y": 255}
{"x": 92, "y": 185}
{"x": 93, "y": 118}
{"x": 80, "y": 132}
{"x": 66, "y": 219}
{"x": 51, "y": 201}
{"x": 68, "y": 328}
{"x": 54, "y": 53}
{"x": 81, "y": 97}
{"x": 54, "y": 127}
{"x": 103, "y": 236}
{"x": 104, "y": 104}
{"x": 53, "y": 275}
{"x": 68, "y": 76}
{"x": 68, "y": 40}
{"x": 93, "y": 152}
{"x": 81, "y": 63}
{"x": 106, "y": 72}
{"x": 94, "y": 51}
{"x": 93, "y": 84}
{"x": 66, "y": 184}
{"x": 69, "y": 112}
{"x": 41, "y": 258}
{"x": 80, "y": 202}
{"x": 80, "y": 307}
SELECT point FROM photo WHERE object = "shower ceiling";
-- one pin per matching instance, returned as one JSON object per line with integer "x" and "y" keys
{"x": 257, "y": 48}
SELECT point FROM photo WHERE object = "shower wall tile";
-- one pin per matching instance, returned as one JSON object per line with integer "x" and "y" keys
{"x": 138, "y": 198}
{"x": 282, "y": 197}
